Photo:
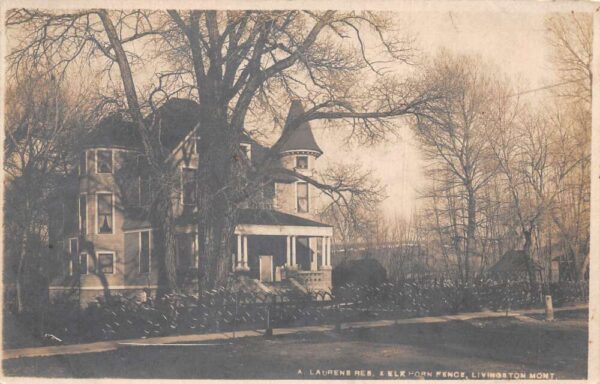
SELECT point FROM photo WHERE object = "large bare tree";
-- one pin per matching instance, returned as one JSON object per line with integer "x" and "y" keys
{"x": 452, "y": 134}
{"x": 41, "y": 123}
{"x": 234, "y": 63}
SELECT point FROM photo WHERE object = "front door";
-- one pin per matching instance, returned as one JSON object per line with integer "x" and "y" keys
{"x": 266, "y": 269}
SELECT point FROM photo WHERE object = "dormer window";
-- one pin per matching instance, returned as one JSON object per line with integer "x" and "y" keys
{"x": 302, "y": 162}
{"x": 104, "y": 161}
{"x": 246, "y": 150}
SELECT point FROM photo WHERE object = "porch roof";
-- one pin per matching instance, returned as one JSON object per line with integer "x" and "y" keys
{"x": 272, "y": 217}
{"x": 275, "y": 223}
{"x": 254, "y": 221}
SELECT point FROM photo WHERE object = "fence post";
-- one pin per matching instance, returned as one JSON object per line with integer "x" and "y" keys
{"x": 549, "y": 309}
{"x": 338, "y": 318}
{"x": 235, "y": 313}
{"x": 269, "y": 329}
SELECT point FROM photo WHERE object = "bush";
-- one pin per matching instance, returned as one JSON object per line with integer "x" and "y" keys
{"x": 362, "y": 272}
{"x": 223, "y": 309}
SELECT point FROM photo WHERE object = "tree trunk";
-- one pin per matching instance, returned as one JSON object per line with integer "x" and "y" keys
{"x": 471, "y": 227}
{"x": 583, "y": 267}
{"x": 530, "y": 267}
{"x": 216, "y": 188}
{"x": 20, "y": 272}
{"x": 163, "y": 238}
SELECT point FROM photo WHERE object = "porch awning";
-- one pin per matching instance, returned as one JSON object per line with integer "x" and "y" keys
{"x": 275, "y": 223}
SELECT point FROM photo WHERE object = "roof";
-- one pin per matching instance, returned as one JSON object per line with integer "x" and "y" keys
{"x": 512, "y": 261}
{"x": 132, "y": 221}
{"x": 301, "y": 138}
{"x": 174, "y": 120}
{"x": 260, "y": 217}
{"x": 115, "y": 131}
{"x": 272, "y": 217}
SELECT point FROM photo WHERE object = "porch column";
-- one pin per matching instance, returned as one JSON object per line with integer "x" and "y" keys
{"x": 329, "y": 251}
{"x": 323, "y": 251}
{"x": 288, "y": 254}
{"x": 293, "y": 238}
{"x": 238, "y": 264}
{"x": 245, "y": 253}
{"x": 313, "y": 244}
{"x": 328, "y": 264}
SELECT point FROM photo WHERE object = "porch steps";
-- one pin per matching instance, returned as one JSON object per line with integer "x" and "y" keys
{"x": 288, "y": 287}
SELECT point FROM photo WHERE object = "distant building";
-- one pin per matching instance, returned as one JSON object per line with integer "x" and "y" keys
{"x": 513, "y": 265}
{"x": 110, "y": 238}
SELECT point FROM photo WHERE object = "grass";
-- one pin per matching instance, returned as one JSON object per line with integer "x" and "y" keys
{"x": 487, "y": 345}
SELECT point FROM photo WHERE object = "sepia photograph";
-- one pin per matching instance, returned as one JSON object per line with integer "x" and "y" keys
{"x": 298, "y": 190}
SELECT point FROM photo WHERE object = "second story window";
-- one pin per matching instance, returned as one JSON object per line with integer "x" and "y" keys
{"x": 302, "y": 162}
{"x": 145, "y": 191}
{"x": 73, "y": 249}
{"x": 83, "y": 214}
{"x": 104, "y": 161}
{"x": 302, "y": 197}
{"x": 82, "y": 164}
{"x": 105, "y": 212}
{"x": 246, "y": 150}
{"x": 144, "y": 256}
{"x": 188, "y": 186}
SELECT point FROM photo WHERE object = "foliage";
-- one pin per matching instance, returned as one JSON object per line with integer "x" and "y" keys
{"x": 228, "y": 310}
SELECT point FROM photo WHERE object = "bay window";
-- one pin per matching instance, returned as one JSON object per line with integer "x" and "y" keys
{"x": 105, "y": 213}
{"x": 104, "y": 161}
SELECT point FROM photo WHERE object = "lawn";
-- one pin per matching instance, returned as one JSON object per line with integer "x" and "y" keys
{"x": 449, "y": 349}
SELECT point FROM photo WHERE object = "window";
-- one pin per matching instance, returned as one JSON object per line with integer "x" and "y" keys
{"x": 83, "y": 214}
{"x": 105, "y": 212}
{"x": 106, "y": 263}
{"x": 195, "y": 144}
{"x": 188, "y": 187}
{"x": 145, "y": 191}
{"x": 302, "y": 196}
{"x": 73, "y": 249}
{"x": 144, "y": 256}
{"x": 246, "y": 150}
{"x": 185, "y": 251}
{"x": 104, "y": 161}
{"x": 302, "y": 162}
{"x": 82, "y": 164}
{"x": 83, "y": 264}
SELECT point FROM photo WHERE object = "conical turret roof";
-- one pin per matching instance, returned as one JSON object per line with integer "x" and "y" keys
{"x": 302, "y": 138}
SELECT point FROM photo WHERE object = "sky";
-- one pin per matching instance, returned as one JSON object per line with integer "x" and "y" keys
{"x": 515, "y": 43}
{"x": 511, "y": 39}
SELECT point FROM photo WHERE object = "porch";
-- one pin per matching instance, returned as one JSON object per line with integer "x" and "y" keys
{"x": 272, "y": 247}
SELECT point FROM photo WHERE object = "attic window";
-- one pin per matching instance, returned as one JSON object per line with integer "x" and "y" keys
{"x": 195, "y": 144}
{"x": 246, "y": 149}
{"x": 104, "y": 161}
{"x": 302, "y": 162}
